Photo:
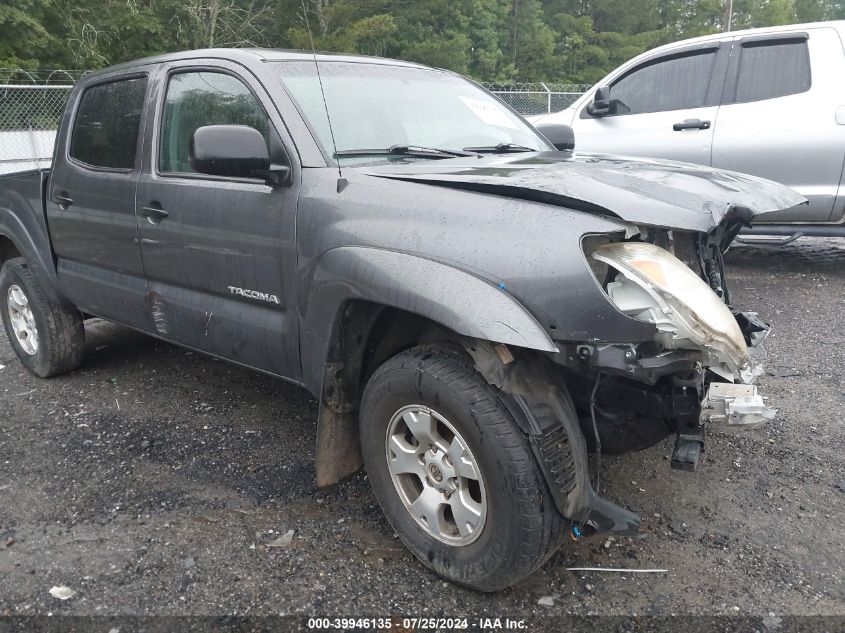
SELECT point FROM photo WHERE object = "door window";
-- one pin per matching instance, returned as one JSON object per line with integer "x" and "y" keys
{"x": 105, "y": 131}
{"x": 196, "y": 99}
{"x": 772, "y": 69}
{"x": 675, "y": 83}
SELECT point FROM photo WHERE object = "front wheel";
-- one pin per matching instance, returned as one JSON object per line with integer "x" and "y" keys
{"x": 454, "y": 473}
{"x": 48, "y": 338}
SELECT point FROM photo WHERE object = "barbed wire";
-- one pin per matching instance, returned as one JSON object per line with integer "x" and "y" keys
{"x": 40, "y": 77}
{"x": 538, "y": 86}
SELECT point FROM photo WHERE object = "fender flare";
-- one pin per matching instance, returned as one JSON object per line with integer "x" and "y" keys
{"x": 451, "y": 297}
{"x": 12, "y": 228}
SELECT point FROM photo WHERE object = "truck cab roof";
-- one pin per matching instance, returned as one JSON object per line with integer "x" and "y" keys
{"x": 248, "y": 56}
{"x": 839, "y": 25}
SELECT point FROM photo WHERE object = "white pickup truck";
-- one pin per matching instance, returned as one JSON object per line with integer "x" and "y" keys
{"x": 768, "y": 102}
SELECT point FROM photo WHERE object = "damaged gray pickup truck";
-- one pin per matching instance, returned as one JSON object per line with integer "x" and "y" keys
{"x": 476, "y": 306}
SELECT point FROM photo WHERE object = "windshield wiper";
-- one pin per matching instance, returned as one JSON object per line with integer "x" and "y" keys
{"x": 501, "y": 148}
{"x": 404, "y": 150}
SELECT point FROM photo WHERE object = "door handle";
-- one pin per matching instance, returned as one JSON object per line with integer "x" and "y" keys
{"x": 154, "y": 215}
{"x": 63, "y": 200}
{"x": 691, "y": 124}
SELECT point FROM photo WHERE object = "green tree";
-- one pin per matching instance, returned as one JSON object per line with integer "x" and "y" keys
{"x": 337, "y": 25}
{"x": 24, "y": 40}
{"x": 532, "y": 42}
{"x": 491, "y": 40}
{"x": 95, "y": 34}
{"x": 749, "y": 14}
{"x": 690, "y": 18}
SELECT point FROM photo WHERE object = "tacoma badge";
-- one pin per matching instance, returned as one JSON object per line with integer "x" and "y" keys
{"x": 254, "y": 294}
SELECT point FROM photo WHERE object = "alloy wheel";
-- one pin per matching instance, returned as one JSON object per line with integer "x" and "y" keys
{"x": 22, "y": 320}
{"x": 436, "y": 475}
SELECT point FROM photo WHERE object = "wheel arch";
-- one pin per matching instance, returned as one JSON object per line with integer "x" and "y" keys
{"x": 8, "y": 249}
{"x": 17, "y": 239}
{"x": 369, "y": 304}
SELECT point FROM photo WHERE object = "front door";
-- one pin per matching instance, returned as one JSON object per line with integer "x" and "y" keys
{"x": 219, "y": 253}
{"x": 91, "y": 200}
{"x": 663, "y": 108}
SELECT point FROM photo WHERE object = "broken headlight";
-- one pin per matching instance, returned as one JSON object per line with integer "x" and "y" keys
{"x": 655, "y": 286}
{"x": 589, "y": 244}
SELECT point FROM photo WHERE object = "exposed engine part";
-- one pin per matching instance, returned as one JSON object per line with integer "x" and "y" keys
{"x": 750, "y": 374}
{"x": 735, "y": 406}
{"x": 754, "y": 329}
{"x": 713, "y": 266}
{"x": 644, "y": 362}
{"x": 688, "y": 449}
{"x": 630, "y": 415}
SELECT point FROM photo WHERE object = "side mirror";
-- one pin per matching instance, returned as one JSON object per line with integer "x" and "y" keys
{"x": 236, "y": 151}
{"x": 560, "y": 135}
{"x": 601, "y": 104}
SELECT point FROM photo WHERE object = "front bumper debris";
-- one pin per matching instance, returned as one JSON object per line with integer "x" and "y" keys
{"x": 734, "y": 406}
{"x": 729, "y": 406}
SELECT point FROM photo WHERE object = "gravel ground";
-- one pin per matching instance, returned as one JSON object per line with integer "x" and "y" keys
{"x": 158, "y": 481}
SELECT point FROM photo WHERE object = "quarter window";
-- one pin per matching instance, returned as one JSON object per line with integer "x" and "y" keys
{"x": 677, "y": 83}
{"x": 105, "y": 132}
{"x": 197, "y": 99}
{"x": 772, "y": 69}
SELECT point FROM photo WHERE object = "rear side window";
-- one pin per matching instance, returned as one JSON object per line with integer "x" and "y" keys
{"x": 676, "y": 83}
{"x": 772, "y": 69}
{"x": 196, "y": 99}
{"x": 105, "y": 132}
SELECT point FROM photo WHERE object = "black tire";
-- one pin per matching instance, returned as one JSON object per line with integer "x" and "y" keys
{"x": 523, "y": 528}
{"x": 61, "y": 334}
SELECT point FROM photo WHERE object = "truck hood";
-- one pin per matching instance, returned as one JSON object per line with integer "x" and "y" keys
{"x": 643, "y": 191}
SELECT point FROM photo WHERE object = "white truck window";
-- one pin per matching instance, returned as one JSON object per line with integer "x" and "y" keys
{"x": 772, "y": 69}
{"x": 675, "y": 83}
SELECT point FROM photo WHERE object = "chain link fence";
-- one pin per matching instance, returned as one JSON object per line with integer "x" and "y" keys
{"x": 32, "y": 103}
{"x": 31, "y": 106}
{"x": 537, "y": 98}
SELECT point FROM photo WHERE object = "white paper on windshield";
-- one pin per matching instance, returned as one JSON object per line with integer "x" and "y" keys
{"x": 489, "y": 112}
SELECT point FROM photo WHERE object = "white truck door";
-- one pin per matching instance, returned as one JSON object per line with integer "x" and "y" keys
{"x": 663, "y": 107}
{"x": 778, "y": 116}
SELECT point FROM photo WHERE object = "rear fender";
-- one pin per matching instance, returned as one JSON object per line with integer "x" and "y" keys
{"x": 24, "y": 241}
{"x": 22, "y": 222}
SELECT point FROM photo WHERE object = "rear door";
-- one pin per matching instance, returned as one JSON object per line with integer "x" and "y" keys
{"x": 779, "y": 116}
{"x": 91, "y": 199}
{"x": 219, "y": 253}
{"x": 664, "y": 107}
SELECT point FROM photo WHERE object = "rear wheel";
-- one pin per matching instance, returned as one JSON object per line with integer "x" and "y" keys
{"x": 454, "y": 473}
{"x": 48, "y": 338}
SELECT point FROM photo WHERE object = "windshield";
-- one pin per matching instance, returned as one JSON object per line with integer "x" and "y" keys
{"x": 380, "y": 106}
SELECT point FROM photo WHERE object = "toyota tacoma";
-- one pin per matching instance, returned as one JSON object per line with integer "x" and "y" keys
{"x": 477, "y": 307}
